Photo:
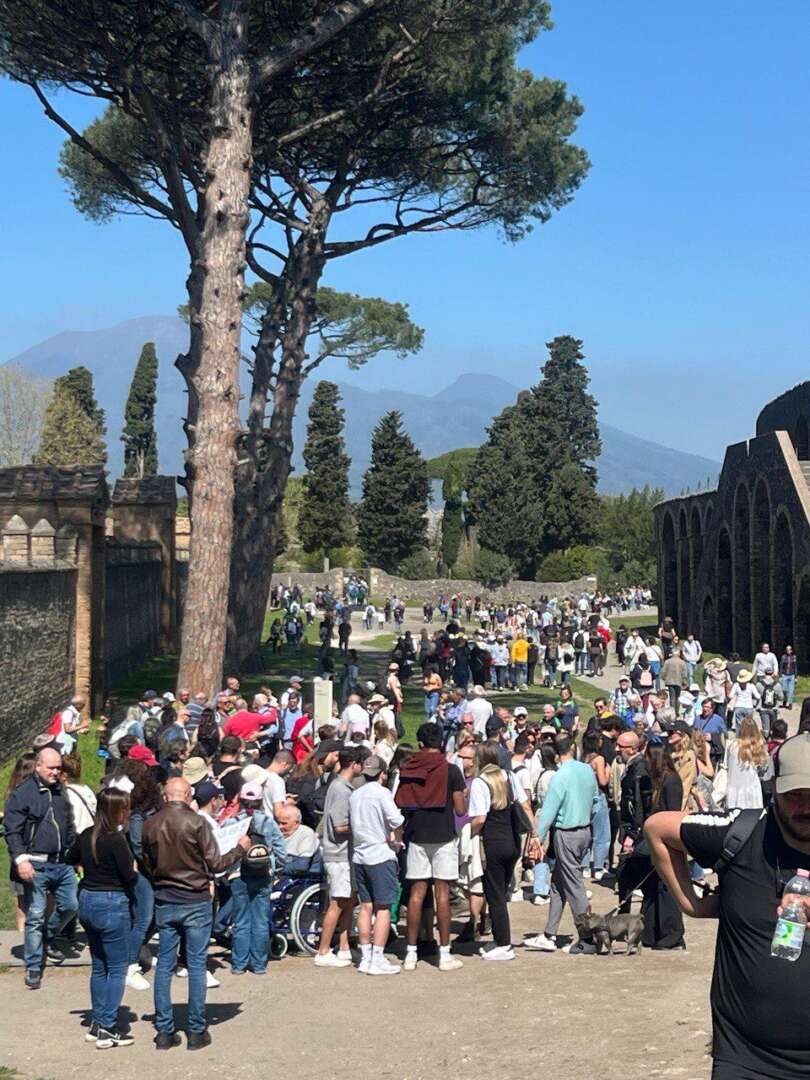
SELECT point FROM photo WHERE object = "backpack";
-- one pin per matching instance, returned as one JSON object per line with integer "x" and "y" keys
{"x": 741, "y": 831}
{"x": 645, "y": 678}
{"x": 257, "y": 860}
{"x": 768, "y": 697}
{"x": 55, "y": 727}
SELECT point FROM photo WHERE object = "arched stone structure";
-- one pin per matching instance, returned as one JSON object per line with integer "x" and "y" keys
{"x": 685, "y": 582}
{"x": 670, "y": 568}
{"x": 742, "y": 573}
{"x": 725, "y": 614}
{"x": 801, "y": 438}
{"x": 761, "y": 563}
{"x": 782, "y": 584}
{"x": 708, "y": 630}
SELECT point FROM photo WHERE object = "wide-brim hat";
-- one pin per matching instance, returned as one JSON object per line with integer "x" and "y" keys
{"x": 718, "y": 663}
{"x": 744, "y": 675}
{"x": 194, "y": 770}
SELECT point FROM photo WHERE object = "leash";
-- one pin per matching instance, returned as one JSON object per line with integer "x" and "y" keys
{"x": 615, "y": 911}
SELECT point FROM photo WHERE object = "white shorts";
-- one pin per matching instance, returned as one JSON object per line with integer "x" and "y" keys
{"x": 437, "y": 861}
{"x": 339, "y": 878}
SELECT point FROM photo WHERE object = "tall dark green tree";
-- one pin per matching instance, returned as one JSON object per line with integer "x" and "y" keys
{"x": 140, "y": 437}
{"x": 532, "y": 488}
{"x": 391, "y": 518}
{"x": 74, "y": 426}
{"x": 453, "y": 515}
{"x": 325, "y": 519}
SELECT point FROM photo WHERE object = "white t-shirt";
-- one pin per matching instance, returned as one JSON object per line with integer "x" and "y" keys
{"x": 480, "y": 710}
{"x": 481, "y": 796}
{"x": 386, "y": 713}
{"x": 524, "y": 778}
{"x": 373, "y": 814}
{"x": 302, "y": 842}
{"x": 356, "y": 718}
{"x": 64, "y": 740}
{"x": 275, "y": 791}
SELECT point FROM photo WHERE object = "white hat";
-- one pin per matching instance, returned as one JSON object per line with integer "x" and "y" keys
{"x": 686, "y": 699}
{"x": 169, "y": 696}
{"x": 520, "y": 711}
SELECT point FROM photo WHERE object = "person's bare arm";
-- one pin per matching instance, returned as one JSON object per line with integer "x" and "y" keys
{"x": 477, "y": 824}
{"x": 669, "y": 856}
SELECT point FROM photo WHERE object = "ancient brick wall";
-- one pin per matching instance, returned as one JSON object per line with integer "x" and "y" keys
{"x": 37, "y": 622}
{"x": 131, "y": 609}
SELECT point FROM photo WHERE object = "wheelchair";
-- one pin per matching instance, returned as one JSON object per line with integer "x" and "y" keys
{"x": 296, "y": 911}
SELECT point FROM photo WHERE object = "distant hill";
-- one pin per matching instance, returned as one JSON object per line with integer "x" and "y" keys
{"x": 455, "y": 417}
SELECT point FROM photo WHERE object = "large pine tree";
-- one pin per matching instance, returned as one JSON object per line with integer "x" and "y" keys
{"x": 391, "y": 518}
{"x": 532, "y": 487}
{"x": 74, "y": 427}
{"x": 325, "y": 518}
{"x": 140, "y": 437}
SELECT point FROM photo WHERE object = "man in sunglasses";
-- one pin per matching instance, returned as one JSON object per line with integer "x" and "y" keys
{"x": 759, "y": 1002}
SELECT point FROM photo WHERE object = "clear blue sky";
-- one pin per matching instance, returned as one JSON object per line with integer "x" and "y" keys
{"x": 683, "y": 262}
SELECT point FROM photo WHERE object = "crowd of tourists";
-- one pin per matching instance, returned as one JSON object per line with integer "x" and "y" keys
{"x": 206, "y": 805}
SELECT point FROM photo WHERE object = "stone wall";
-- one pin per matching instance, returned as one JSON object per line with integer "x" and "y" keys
{"x": 131, "y": 609}
{"x": 37, "y": 624}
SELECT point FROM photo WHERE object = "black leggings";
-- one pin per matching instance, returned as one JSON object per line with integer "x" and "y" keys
{"x": 500, "y": 866}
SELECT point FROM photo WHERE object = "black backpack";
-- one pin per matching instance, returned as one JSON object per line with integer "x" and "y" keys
{"x": 741, "y": 831}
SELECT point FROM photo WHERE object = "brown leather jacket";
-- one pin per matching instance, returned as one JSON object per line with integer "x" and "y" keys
{"x": 179, "y": 849}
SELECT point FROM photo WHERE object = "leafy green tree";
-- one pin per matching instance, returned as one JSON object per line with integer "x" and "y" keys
{"x": 391, "y": 521}
{"x": 419, "y": 566}
{"x": 452, "y": 516}
{"x": 70, "y": 437}
{"x": 627, "y": 532}
{"x": 140, "y": 437}
{"x": 325, "y": 518}
{"x": 492, "y": 569}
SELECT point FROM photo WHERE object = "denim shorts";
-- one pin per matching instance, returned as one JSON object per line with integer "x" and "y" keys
{"x": 378, "y": 884}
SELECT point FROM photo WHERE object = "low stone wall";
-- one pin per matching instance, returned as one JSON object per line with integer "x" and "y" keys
{"x": 37, "y": 634}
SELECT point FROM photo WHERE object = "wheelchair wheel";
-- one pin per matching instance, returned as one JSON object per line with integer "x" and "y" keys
{"x": 305, "y": 919}
{"x": 278, "y": 946}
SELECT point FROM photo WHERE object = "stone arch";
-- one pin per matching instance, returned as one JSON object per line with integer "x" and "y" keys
{"x": 707, "y": 519}
{"x": 697, "y": 540}
{"x": 801, "y": 439}
{"x": 802, "y": 642}
{"x": 782, "y": 584}
{"x": 761, "y": 563}
{"x": 685, "y": 593}
{"x": 725, "y": 618}
{"x": 742, "y": 572}
{"x": 669, "y": 589}
{"x": 708, "y": 631}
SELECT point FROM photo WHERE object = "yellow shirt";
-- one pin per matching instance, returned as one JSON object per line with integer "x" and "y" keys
{"x": 520, "y": 651}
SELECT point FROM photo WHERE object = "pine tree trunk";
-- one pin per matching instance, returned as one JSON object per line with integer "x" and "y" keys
{"x": 216, "y": 289}
{"x": 262, "y": 483}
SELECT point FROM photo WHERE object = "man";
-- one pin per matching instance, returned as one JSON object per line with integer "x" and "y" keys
{"x": 194, "y": 708}
{"x": 379, "y": 708}
{"x": 430, "y": 789}
{"x": 300, "y": 840}
{"x": 675, "y": 676}
{"x": 550, "y": 718}
{"x": 480, "y": 709}
{"x": 373, "y": 819}
{"x": 175, "y": 732}
{"x": 344, "y": 633}
{"x": 567, "y": 808}
{"x": 497, "y": 728}
{"x": 620, "y": 699}
{"x": 354, "y": 717}
{"x": 39, "y": 832}
{"x": 291, "y": 713}
{"x": 500, "y": 662}
{"x": 765, "y": 663}
{"x": 759, "y": 1002}
{"x": 692, "y": 652}
{"x": 71, "y": 725}
{"x": 634, "y": 647}
{"x": 244, "y": 724}
{"x": 336, "y": 860}
{"x": 180, "y": 855}
{"x": 772, "y": 697}
{"x": 633, "y": 779}
{"x": 296, "y": 686}
{"x": 275, "y": 790}
{"x": 520, "y": 660}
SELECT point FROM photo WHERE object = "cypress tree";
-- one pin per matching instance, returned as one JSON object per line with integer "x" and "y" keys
{"x": 69, "y": 437}
{"x": 391, "y": 517}
{"x": 452, "y": 517}
{"x": 325, "y": 518}
{"x": 140, "y": 437}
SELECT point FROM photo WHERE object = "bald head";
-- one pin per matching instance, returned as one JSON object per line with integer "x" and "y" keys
{"x": 48, "y": 765}
{"x": 177, "y": 790}
{"x": 289, "y": 818}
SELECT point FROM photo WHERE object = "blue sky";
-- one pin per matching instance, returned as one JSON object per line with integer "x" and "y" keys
{"x": 683, "y": 262}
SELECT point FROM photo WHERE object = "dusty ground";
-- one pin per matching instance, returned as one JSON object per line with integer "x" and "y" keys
{"x": 573, "y": 1018}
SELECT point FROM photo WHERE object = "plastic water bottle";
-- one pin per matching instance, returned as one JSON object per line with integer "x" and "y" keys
{"x": 788, "y": 936}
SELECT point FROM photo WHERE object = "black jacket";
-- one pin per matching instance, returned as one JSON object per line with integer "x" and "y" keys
{"x": 38, "y": 820}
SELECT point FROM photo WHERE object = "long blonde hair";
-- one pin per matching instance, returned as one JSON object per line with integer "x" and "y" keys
{"x": 488, "y": 768}
{"x": 751, "y": 747}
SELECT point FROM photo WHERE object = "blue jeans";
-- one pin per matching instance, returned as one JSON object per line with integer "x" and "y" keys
{"x": 542, "y": 878}
{"x": 60, "y": 880}
{"x": 192, "y": 924}
{"x": 690, "y": 671}
{"x": 105, "y": 918}
{"x": 739, "y": 716}
{"x": 142, "y": 913}
{"x": 251, "y": 914}
{"x": 499, "y": 676}
{"x": 580, "y": 663}
{"x": 600, "y": 836}
{"x": 789, "y": 686}
{"x": 431, "y": 703}
{"x": 521, "y": 674}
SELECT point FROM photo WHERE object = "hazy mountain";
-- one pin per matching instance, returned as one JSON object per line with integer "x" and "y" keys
{"x": 455, "y": 416}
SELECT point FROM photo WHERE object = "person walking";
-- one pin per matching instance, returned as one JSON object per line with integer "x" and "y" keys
{"x": 788, "y": 671}
{"x": 108, "y": 883}
{"x": 180, "y": 854}
{"x": 572, "y": 795}
{"x": 39, "y": 832}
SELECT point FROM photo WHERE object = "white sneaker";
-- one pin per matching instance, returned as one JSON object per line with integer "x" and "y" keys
{"x": 516, "y": 897}
{"x": 540, "y": 901}
{"x": 363, "y": 966}
{"x": 181, "y": 973}
{"x": 449, "y": 963}
{"x": 210, "y": 982}
{"x": 410, "y": 962}
{"x": 599, "y": 875}
{"x": 330, "y": 960}
{"x": 586, "y": 873}
{"x": 345, "y": 954}
{"x": 588, "y": 894}
{"x": 383, "y": 967}
{"x": 500, "y": 952}
{"x": 541, "y": 943}
{"x": 134, "y": 979}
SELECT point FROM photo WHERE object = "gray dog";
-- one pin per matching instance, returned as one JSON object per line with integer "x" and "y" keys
{"x": 603, "y": 930}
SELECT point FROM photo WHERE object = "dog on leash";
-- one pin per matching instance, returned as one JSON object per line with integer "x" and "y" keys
{"x": 603, "y": 930}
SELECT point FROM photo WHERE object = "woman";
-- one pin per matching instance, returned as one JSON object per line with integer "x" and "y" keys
{"x": 748, "y": 763}
{"x": 145, "y": 799}
{"x": 304, "y": 781}
{"x": 566, "y": 662}
{"x": 81, "y": 798}
{"x": 667, "y": 634}
{"x": 642, "y": 679}
{"x": 702, "y": 750}
{"x": 385, "y": 741}
{"x": 542, "y": 870}
{"x": 591, "y": 754}
{"x": 492, "y": 795}
{"x": 743, "y": 699}
{"x": 108, "y": 881}
{"x": 393, "y": 688}
{"x": 23, "y": 767}
{"x": 431, "y": 687}
{"x": 351, "y": 674}
{"x": 303, "y": 735}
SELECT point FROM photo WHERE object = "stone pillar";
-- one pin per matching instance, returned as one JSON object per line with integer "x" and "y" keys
{"x": 43, "y": 542}
{"x": 145, "y": 509}
{"x": 16, "y": 541}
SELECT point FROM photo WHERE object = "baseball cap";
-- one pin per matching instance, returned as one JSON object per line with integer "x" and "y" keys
{"x": 326, "y": 747}
{"x": 694, "y": 688}
{"x": 679, "y": 726}
{"x": 150, "y": 695}
{"x": 624, "y": 678}
{"x": 250, "y": 791}
{"x": 520, "y": 711}
{"x": 374, "y": 765}
{"x": 142, "y": 753}
{"x": 296, "y": 678}
{"x": 205, "y": 791}
{"x": 494, "y": 725}
{"x": 169, "y": 697}
{"x": 792, "y": 764}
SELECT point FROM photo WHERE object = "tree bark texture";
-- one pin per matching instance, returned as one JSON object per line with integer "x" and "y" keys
{"x": 211, "y": 369}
